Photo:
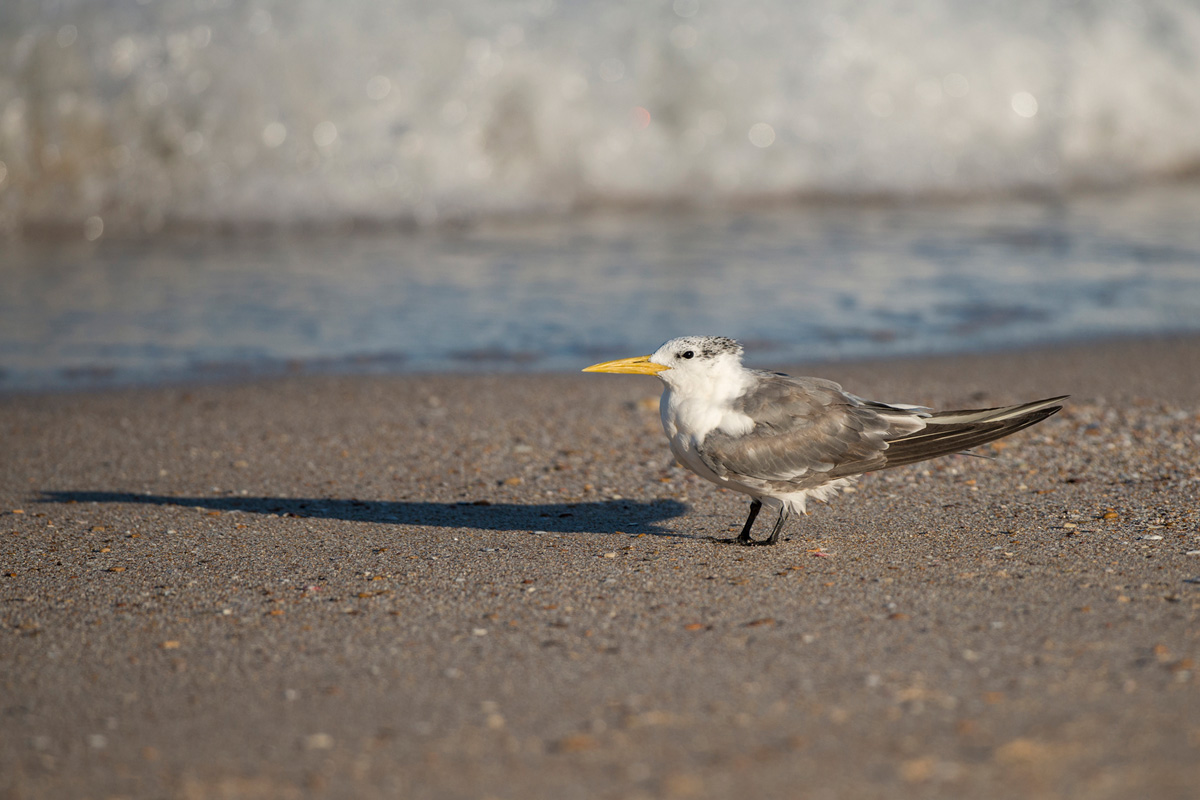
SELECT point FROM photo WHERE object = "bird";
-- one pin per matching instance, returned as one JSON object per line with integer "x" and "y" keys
{"x": 782, "y": 439}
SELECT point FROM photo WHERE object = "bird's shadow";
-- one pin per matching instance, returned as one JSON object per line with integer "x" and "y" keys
{"x": 604, "y": 516}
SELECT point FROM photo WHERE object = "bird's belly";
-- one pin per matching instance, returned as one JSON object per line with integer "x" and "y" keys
{"x": 685, "y": 453}
{"x": 772, "y": 493}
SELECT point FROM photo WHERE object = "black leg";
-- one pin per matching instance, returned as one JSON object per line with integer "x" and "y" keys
{"x": 744, "y": 536}
{"x": 784, "y": 512}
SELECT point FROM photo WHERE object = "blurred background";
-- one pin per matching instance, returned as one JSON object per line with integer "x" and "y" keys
{"x": 204, "y": 188}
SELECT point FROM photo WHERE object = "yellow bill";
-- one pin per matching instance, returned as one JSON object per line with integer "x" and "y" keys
{"x": 641, "y": 365}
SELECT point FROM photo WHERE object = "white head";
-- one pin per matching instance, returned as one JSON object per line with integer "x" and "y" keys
{"x": 686, "y": 360}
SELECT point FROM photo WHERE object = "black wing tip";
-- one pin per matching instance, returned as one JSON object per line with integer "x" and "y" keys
{"x": 958, "y": 438}
{"x": 1050, "y": 411}
{"x": 950, "y": 412}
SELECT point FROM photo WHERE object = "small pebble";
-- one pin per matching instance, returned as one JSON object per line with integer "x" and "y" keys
{"x": 318, "y": 741}
{"x": 577, "y": 743}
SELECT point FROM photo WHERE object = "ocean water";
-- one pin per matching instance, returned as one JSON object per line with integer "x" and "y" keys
{"x": 202, "y": 188}
{"x": 795, "y": 282}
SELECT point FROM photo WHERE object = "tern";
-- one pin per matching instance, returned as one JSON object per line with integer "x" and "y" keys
{"x": 783, "y": 439}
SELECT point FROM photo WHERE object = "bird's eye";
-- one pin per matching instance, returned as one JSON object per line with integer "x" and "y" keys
{"x": 688, "y": 354}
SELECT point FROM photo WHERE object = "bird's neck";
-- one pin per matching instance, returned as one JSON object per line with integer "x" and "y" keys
{"x": 695, "y": 405}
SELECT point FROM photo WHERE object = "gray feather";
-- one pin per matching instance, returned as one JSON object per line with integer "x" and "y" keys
{"x": 808, "y": 431}
{"x": 967, "y": 429}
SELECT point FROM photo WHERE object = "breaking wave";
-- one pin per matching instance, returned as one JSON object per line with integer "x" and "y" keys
{"x": 118, "y": 115}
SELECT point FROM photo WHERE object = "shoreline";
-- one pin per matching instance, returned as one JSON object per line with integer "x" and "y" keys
{"x": 352, "y": 367}
{"x": 501, "y": 585}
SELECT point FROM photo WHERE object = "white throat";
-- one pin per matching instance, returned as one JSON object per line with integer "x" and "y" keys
{"x": 700, "y": 400}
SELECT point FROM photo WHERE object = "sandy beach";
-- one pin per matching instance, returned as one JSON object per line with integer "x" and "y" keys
{"x": 503, "y": 587}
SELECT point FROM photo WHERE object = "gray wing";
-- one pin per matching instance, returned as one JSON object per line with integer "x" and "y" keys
{"x": 807, "y": 431}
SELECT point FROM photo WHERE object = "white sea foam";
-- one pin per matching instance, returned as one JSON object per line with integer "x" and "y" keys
{"x": 142, "y": 113}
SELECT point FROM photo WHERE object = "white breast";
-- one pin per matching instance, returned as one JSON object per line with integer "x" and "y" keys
{"x": 695, "y": 418}
{"x": 700, "y": 398}
{"x": 688, "y": 420}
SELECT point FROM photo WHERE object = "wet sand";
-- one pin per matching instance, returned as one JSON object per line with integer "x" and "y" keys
{"x": 472, "y": 587}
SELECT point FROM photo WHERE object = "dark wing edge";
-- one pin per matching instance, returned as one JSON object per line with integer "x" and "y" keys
{"x": 949, "y": 432}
